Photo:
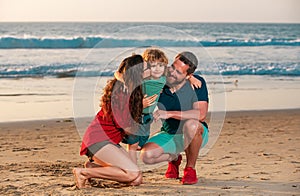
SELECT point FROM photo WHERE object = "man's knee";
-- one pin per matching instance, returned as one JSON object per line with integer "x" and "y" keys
{"x": 192, "y": 128}
{"x": 149, "y": 153}
{"x": 146, "y": 156}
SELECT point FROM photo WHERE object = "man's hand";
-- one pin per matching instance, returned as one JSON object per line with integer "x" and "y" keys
{"x": 160, "y": 114}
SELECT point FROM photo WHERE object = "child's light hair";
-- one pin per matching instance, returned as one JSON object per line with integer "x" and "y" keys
{"x": 154, "y": 54}
{"x": 151, "y": 55}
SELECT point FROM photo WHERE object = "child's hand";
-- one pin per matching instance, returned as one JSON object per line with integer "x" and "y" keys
{"x": 195, "y": 83}
{"x": 148, "y": 101}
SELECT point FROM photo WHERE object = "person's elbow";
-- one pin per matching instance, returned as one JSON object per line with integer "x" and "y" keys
{"x": 202, "y": 117}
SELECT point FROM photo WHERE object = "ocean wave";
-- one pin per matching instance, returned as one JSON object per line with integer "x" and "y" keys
{"x": 10, "y": 42}
{"x": 80, "y": 70}
{"x": 273, "y": 69}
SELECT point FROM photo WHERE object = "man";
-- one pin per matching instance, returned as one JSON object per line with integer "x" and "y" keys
{"x": 183, "y": 111}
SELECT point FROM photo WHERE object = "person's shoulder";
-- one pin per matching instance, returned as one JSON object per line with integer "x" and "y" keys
{"x": 199, "y": 77}
{"x": 158, "y": 83}
{"x": 163, "y": 78}
{"x": 166, "y": 89}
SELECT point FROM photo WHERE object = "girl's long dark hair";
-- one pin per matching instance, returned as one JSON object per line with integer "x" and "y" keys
{"x": 132, "y": 70}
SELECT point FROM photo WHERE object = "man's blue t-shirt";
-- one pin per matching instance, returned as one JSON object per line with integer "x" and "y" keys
{"x": 182, "y": 100}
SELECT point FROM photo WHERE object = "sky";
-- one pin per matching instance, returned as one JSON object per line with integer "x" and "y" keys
{"x": 260, "y": 11}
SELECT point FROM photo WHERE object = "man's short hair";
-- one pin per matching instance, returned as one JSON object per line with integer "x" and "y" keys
{"x": 189, "y": 59}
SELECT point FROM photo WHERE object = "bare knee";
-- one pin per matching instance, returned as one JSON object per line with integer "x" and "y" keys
{"x": 192, "y": 128}
{"x": 147, "y": 156}
{"x": 149, "y": 152}
{"x": 132, "y": 175}
{"x": 138, "y": 180}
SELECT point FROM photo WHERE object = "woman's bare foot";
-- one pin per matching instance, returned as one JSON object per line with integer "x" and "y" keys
{"x": 89, "y": 164}
{"x": 80, "y": 180}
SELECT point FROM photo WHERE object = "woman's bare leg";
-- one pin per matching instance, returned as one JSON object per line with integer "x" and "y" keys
{"x": 116, "y": 164}
{"x": 89, "y": 164}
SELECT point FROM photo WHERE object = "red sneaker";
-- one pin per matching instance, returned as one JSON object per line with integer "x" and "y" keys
{"x": 173, "y": 168}
{"x": 189, "y": 176}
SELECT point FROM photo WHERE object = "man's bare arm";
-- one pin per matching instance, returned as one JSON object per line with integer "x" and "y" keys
{"x": 198, "y": 112}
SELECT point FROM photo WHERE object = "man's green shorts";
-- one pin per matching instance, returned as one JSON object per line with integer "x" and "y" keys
{"x": 174, "y": 143}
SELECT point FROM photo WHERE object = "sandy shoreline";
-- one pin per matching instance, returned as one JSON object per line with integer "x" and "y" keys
{"x": 258, "y": 152}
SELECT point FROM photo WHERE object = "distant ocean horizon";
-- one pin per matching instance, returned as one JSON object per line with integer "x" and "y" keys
{"x": 42, "y": 49}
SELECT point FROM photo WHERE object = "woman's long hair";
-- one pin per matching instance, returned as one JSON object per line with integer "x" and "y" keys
{"x": 132, "y": 70}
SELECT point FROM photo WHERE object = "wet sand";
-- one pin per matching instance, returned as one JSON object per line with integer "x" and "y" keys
{"x": 257, "y": 153}
{"x": 47, "y": 98}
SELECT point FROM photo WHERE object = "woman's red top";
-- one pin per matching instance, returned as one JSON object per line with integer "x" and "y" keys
{"x": 109, "y": 128}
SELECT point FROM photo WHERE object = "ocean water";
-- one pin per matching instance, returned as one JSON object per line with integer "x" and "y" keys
{"x": 88, "y": 49}
{"x": 57, "y": 70}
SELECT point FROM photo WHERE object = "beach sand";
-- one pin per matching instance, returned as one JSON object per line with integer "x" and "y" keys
{"x": 257, "y": 153}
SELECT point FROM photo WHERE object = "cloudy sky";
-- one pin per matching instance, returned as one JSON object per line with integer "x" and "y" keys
{"x": 278, "y": 11}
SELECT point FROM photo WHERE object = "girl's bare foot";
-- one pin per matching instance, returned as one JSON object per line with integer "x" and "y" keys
{"x": 80, "y": 180}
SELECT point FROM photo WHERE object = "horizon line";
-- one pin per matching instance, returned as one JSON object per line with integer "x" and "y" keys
{"x": 96, "y": 21}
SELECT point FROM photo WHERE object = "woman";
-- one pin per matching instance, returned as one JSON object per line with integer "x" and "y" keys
{"x": 121, "y": 109}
